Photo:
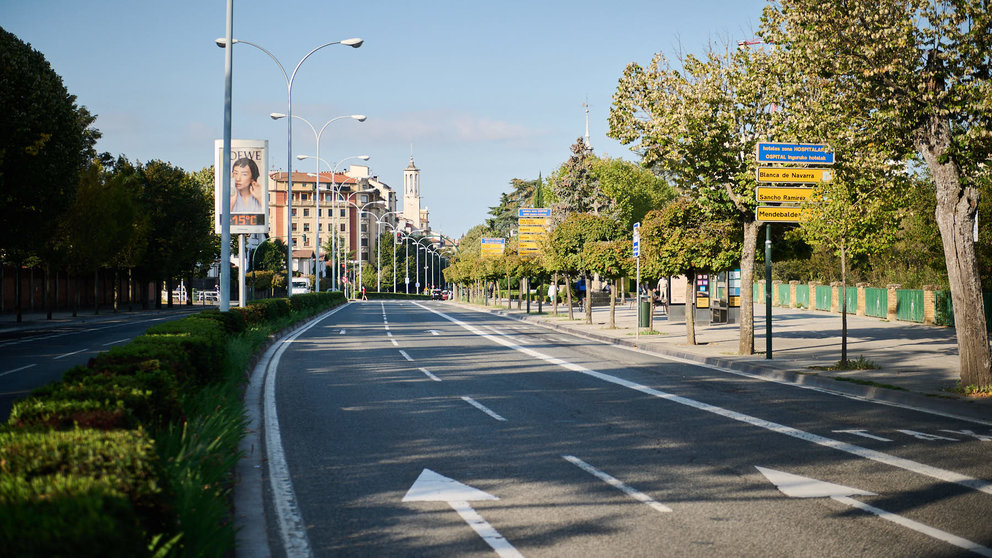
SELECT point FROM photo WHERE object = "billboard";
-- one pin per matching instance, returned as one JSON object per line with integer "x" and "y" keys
{"x": 249, "y": 201}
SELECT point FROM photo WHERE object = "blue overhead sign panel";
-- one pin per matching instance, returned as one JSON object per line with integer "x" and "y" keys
{"x": 812, "y": 153}
{"x": 525, "y": 212}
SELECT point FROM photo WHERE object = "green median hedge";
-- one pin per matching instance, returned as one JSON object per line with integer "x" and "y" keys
{"x": 80, "y": 468}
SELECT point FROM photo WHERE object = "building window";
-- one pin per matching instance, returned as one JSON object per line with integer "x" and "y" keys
{"x": 365, "y": 242}
{"x": 294, "y": 212}
{"x": 294, "y": 227}
{"x": 365, "y": 198}
{"x": 342, "y": 213}
{"x": 320, "y": 226}
{"x": 342, "y": 227}
{"x": 365, "y": 228}
{"x": 306, "y": 227}
{"x": 306, "y": 212}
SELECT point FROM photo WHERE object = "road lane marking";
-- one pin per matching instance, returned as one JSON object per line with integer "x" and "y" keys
{"x": 17, "y": 369}
{"x": 616, "y": 483}
{"x": 482, "y": 408}
{"x": 292, "y": 528}
{"x": 429, "y": 375}
{"x": 873, "y": 455}
{"x": 924, "y": 436}
{"x": 432, "y": 487}
{"x": 796, "y": 486}
{"x": 118, "y": 341}
{"x": 70, "y": 354}
{"x": 406, "y": 356}
{"x": 971, "y": 433}
{"x": 863, "y": 433}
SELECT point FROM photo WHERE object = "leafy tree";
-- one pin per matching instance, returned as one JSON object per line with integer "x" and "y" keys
{"x": 697, "y": 125}
{"x": 611, "y": 260}
{"x": 682, "y": 239}
{"x": 633, "y": 190}
{"x": 45, "y": 142}
{"x": 504, "y": 215}
{"x": 918, "y": 72}
{"x": 270, "y": 256}
{"x": 565, "y": 249}
{"x": 574, "y": 187}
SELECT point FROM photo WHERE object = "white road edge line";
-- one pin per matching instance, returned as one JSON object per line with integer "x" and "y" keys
{"x": 616, "y": 483}
{"x": 292, "y": 528}
{"x": 482, "y": 408}
{"x": 873, "y": 455}
{"x": 482, "y": 527}
{"x": 429, "y": 375}
{"x": 18, "y": 369}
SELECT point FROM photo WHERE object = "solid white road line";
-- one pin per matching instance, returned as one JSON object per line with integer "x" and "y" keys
{"x": 482, "y": 408}
{"x": 614, "y": 482}
{"x": 118, "y": 341}
{"x": 70, "y": 354}
{"x": 292, "y": 528}
{"x": 880, "y": 457}
{"x": 17, "y": 369}
{"x": 429, "y": 375}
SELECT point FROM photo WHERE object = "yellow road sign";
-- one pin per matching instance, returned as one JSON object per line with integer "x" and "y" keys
{"x": 533, "y": 221}
{"x": 530, "y": 229}
{"x": 783, "y": 214}
{"x": 783, "y": 195}
{"x": 795, "y": 176}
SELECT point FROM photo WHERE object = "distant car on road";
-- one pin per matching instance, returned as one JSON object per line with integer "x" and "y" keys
{"x": 436, "y": 294}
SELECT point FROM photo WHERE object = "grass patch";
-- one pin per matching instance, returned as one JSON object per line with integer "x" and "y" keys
{"x": 648, "y": 332}
{"x": 972, "y": 390}
{"x": 840, "y": 366}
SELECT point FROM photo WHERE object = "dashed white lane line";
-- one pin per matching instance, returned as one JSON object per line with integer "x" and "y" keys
{"x": 865, "y": 453}
{"x": 70, "y": 354}
{"x": 614, "y": 482}
{"x": 482, "y": 408}
{"x": 406, "y": 356}
{"x": 17, "y": 369}
{"x": 429, "y": 375}
{"x": 118, "y": 341}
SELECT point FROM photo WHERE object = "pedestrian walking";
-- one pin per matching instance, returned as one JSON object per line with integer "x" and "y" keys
{"x": 552, "y": 292}
{"x": 363, "y": 293}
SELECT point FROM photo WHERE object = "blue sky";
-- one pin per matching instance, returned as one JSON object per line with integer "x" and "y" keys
{"x": 484, "y": 91}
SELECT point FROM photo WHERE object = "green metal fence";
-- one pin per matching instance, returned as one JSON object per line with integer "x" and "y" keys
{"x": 802, "y": 295}
{"x": 876, "y": 302}
{"x": 824, "y": 296}
{"x": 784, "y": 295}
{"x": 852, "y": 300}
{"x": 909, "y": 305}
{"x": 759, "y": 294}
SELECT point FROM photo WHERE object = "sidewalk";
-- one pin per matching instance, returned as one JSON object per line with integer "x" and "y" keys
{"x": 917, "y": 363}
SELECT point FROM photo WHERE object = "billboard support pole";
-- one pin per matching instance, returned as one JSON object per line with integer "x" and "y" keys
{"x": 241, "y": 270}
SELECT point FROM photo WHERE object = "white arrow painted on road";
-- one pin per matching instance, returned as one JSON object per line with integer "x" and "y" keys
{"x": 432, "y": 487}
{"x": 796, "y": 486}
{"x": 433, "y": 332}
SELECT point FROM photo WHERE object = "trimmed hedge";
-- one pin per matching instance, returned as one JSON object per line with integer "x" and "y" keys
{"x": 79, "y": 470}
{"x": 49, "y": 478}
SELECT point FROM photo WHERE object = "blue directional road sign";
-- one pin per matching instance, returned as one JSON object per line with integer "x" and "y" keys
{"x": 812, "y": 153}
{"x": 525, "y": 212}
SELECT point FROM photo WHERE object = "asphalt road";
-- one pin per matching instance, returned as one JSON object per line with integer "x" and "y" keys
{"x": 35, "y": 356}
{"x": 566, "y": 447}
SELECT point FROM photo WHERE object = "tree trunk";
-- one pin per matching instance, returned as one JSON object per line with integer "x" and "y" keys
{"x": 745, "y": 343}
{"x": 48, "y": 293}
{"x": 554, "y": 301}
{"x": 690, "y": 309}
{"x": 585, "y": 280}
{"x": 568, "y": 291}
{"x": 17, "y": 293}
{"x": 613, "y": 303}
{"x": 955, "y": 215}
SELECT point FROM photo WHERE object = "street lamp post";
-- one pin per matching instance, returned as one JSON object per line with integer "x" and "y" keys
{"x": 354, "y": 43}
{"x": 316, "y": 134}
{"x": 361, "y": 210}
{"x": 378, "y": 252}
{"x": 334, "y": 171}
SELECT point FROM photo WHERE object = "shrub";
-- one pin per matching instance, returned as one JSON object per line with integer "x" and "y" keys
{"x": 123, "y": 460}
{"x": 151, "y": 397}
{"x": 62, "y": 515}
{"x": 71, "y": 413}
{"x": 234, "y": 322}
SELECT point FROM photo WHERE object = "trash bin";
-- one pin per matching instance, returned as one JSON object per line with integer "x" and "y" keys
{"x": 644, "y": 315}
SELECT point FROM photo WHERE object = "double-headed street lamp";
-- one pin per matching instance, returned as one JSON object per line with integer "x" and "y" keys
{"x": 316, "y": 135}
{"x": 361, "y": 210}
{"x": 378, "y": 252}
{"x": 334, "y": 171}
{"x": 354, "y": 43}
